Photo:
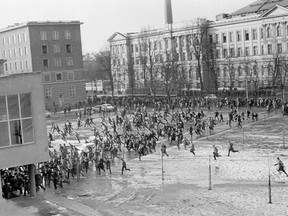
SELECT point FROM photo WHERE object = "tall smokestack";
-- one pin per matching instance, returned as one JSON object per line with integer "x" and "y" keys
{"x": 168, "y": 12}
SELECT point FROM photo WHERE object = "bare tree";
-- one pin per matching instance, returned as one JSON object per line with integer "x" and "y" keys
{"x": 149, "y": 57}
{"x": 104, "y": 59}
{"x": 168, "y": 76}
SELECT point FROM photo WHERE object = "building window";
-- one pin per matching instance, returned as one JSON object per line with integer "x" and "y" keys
{"x": 9, "y": 41}
{"x": 247, "y": 51}
{"x": 279, "y": 48}
{"x": 58, "y": 76}
{"x": 6, "y": 66}
{"x": 25, "y": 37}
{"x": 48, "y": 93}
{"x": 268, "y": 32}
{"x": 210, "y": 38}
{"x": 216, "y": 38}
{"x": 269, "y": 48}
{"x": 21, "y": 65}
{"x": 55, "y": 35}
{"x": 238, "y": 33}
{"x": 231, "y": 38}
{"x": 20, "y": 51}
{"x": 246, "y": 35}
{"x": 69, "y": 61}
{"x": 57, "y": 62}
{"x": 68, "y": 48}
{"x": 262, "y": 50}
{"x": 255, "y": 52}
{"x": 278, "y": 31}
{"x": 44, "y": 49}
{"x": 16, "y": 66}
{"x": 43, "y": 35}
{"x": 19, "y": 38}
{"x": 4, "y": 54}
{"x": 14, "y": 53}
{"x": 27, "y": 65}
{"x": 47, "y": 77}
{"x": 45, "y": 63}
{"x": 136, "y": 48}
{"x": 56, "y": 48}
{"x": 16, "y": 121}
{"x": 26, "y": 51}
{"x": 183, "y": 56}
{"x": 239, "y": 51}
{"x": 14, "y": 39}
{"x": 67, "y": 34}
{"x": 232, "y": 52}
{"x": 217, "y": 53}
{"x": 70, "y": 75}
{"x": 3, "y": 41}
{"x": 224, "y": 53}
{"x": 224, "y": 38}
{"x": 131, "y": 48}
{"x": 72, "y": 91}
{"x": 254, "y": 34}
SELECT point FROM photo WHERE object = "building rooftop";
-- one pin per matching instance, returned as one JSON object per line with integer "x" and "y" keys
{"x": 259, "y": 7}
{"x": 39, "y": 23}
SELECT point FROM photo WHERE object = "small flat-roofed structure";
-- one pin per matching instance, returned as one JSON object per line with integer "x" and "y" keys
{"x": 23, "y": 136}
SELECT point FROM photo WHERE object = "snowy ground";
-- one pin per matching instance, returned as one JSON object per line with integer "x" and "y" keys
{"x": 239, "y": 182}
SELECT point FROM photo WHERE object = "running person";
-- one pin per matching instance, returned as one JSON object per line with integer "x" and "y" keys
{"x": 215, "y": 152}
{"x": 280, "y": 166}
{"x": 124, "y": 166}
{"x": 231, "y": 148}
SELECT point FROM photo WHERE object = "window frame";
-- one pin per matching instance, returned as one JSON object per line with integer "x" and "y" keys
{"x": 56, "y": 79}
{"x": 20, "y": 118}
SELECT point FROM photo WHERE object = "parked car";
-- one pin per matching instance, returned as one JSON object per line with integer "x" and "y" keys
{"x": 107, "y": 107}
{"x": 210, "y": 96}
{"x": 48, "y": 114}
{"x": 96, "y": 109}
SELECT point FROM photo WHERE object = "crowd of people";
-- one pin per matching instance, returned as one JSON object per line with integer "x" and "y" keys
{"x": 134, "y": 129}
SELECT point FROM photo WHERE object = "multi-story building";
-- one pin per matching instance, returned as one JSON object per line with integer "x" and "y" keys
{"x": 248, "y": 50}
{"x": 53, "y": 48}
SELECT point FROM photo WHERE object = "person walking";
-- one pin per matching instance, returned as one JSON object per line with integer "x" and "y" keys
{"x": 124, "y": 165}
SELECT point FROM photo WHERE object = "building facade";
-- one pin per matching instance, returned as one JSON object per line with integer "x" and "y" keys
{"x": 53, "y": 48}
{"x": 23, "y": 136}
{"x": 248, "y": 50}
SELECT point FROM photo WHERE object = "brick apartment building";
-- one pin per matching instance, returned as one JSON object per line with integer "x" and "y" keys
{"x": 53, "y": 48}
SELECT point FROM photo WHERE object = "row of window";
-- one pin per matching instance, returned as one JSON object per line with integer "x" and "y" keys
{"x": 16, "y": 120}
{"x": 16, "y": 66}
{"x": 55, "y": 35}
{"x": 13, "y": 39}
{"x": 58, "y": 62}
{"x": 58, "y": 76}
{"x": 269, "y": 33}
{"x": 56, "y": 48}
{"x": 239, "y": 53}
{"x": 13, "y": 53}
{"x": 72, "y": 92}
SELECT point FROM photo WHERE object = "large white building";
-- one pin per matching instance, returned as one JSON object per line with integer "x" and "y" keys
{"x": 248, "y": 50}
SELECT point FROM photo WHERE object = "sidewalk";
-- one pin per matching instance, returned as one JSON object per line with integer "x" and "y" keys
{"x": 51, "y": 203}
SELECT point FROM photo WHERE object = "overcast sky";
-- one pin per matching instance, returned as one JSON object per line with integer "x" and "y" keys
{"x": 102, "y": 18}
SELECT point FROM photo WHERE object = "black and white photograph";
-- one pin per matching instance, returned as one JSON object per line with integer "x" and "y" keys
{"x": 144, "y": 108}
